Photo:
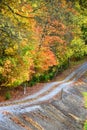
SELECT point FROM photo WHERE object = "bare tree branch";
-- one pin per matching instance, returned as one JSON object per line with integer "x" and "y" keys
{"x": 16, "y": 12}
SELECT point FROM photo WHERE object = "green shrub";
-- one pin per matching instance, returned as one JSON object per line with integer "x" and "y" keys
{"x": 7, "y": 95}
{"x": 78, "y": 48}
{"x": 33, "y": 81}
{"x": 85, "y": 125}
{"x": 85, "y": 98}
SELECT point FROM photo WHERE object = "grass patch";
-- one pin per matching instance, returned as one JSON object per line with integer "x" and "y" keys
{"x": 85, "y": 98}
{"x": 85, "y": 125}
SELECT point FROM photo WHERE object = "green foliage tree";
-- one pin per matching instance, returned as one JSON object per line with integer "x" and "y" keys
{"x": 78, "y": 47}
{"x": 16, "y": 41}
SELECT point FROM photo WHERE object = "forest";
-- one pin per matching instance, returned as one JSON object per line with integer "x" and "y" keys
{"x": 39, "y": 38}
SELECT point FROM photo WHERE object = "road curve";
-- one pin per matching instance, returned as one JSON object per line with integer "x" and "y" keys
{"x": 32, "y": 103}
{"x": 49, "y": 91}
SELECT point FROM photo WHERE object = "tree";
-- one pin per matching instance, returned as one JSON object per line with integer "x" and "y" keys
{"x": 19, "y": 43}
{"x": 16, "y": 41}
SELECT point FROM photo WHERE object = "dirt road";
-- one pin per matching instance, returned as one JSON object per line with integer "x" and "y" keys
{"x": 57, "y": 106}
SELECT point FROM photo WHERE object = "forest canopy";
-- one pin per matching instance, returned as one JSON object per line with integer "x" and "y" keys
{"x": 39, "y": 37}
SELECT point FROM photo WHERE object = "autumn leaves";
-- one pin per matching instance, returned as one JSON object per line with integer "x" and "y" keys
{"x": 36, "y": 37}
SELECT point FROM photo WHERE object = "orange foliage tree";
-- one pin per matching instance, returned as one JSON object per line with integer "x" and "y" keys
{"x": 19, "y": 53}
